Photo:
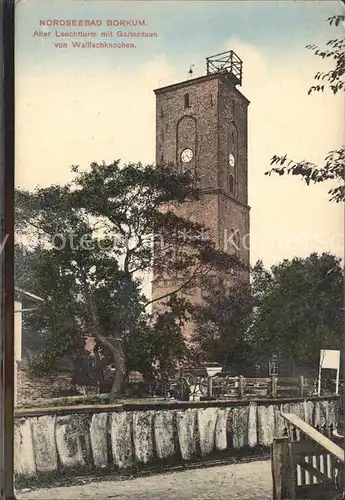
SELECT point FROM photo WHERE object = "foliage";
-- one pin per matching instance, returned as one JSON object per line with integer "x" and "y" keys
{"x": 168, "y": 344}
{"x": 291, "y": 310}
{"x": 222, "y": 322}
{"x": 297, "y": 308}
{"x": 333, "y": 169}
{"x": 334, "y": 50}
{"x": 311, "y": 173}
{"x": 27, "y": 263}
{"x": 93, "y": 237}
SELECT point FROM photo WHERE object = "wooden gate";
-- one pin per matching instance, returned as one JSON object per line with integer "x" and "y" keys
{"x": 306, "y": 463}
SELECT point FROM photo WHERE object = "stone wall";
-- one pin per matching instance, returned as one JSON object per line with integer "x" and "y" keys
{"x": 119, "y": 437}
{"x": 31, "y": 389}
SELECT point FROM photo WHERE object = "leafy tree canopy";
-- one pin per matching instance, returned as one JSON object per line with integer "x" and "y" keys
{"x": 297, "y": 308}
{"x": 222, "y": 322}
{"x": 95, "y": 237}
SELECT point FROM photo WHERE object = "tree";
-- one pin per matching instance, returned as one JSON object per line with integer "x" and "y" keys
{"x": 222, "y": 322}
{"x": 297, "y": 309}
{"x": 100, "y": 231}
{"x": 333, "y": 168}
{"x": 27, "y": 263}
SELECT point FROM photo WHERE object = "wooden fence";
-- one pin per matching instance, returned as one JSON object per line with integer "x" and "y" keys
{"x": 306, "y": 463}
{"x": 221, "y": 386}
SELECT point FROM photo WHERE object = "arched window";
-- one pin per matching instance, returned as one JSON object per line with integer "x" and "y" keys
{"x": 186, "y": 101}
{"x": 231, "y": 183}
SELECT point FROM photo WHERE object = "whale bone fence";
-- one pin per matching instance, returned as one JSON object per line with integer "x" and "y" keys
{"x": 90, "y": 439}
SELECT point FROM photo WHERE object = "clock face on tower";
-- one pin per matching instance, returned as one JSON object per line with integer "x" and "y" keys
{"x": 231, "y": 160}
{"x": 186, "y": 155}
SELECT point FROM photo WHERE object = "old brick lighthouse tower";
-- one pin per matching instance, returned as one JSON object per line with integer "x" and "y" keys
{"x": 201, "y": 125}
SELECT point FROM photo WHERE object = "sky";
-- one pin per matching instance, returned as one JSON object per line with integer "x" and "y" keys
{"x": 76, "y": 106}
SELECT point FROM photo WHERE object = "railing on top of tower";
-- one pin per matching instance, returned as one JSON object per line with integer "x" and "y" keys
{"x": 227, "y": 63}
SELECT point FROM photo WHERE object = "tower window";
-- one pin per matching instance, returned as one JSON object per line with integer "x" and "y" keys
{"x": 211, "y": 99}
{"x": 233, "y": 105}
{"x": 231, "y": 183}
{"x": 186, "y": 101}
{"x": 162, "y": 113}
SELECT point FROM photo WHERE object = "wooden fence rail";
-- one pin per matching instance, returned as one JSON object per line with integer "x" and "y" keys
{"x": 240, "y": 387}
{"x": 306, "y": 463}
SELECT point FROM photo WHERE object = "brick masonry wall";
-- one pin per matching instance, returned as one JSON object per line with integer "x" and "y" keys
{"x": 215, "y": 109}
{"x": 31, "y": 389}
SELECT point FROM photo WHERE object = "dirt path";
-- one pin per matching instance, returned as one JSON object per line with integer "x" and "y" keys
{"x": 251, "y": 481}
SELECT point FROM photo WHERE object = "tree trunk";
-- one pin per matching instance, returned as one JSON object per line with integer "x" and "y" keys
{"x": 120, "y": 373}
{"x": 116, "y": 349}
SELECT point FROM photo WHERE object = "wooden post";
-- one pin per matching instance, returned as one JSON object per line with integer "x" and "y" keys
{"x": 241, "y": 386}
{"x": 283, "y": 472}
{"x": 301, "y": 386}
{"x": 274, "y": 387}
{"x": 209, "y": 387}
